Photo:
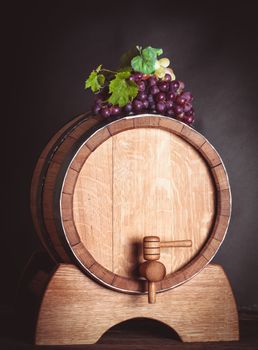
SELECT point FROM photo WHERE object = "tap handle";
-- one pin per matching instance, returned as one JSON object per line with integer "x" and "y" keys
{"x": 151, "y": 269}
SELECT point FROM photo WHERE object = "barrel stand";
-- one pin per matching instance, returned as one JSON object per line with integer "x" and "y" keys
{"x": 76, "y": 310}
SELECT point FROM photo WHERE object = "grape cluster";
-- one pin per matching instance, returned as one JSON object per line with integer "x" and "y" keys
{"x": 164, "y": 97}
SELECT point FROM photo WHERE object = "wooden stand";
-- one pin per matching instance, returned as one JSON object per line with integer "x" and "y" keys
{"x": 77, "y": 310}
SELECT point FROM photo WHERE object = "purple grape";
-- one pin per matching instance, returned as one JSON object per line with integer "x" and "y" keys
{"x": 164, "y": 86}
{"x": 141, "y": 85}
{"x": 170, "y": 113}
{"x": 191, "y": 112}
{"x": 180, "y": 100}
{"x": 192, "y": 120}
{"x": 188, "y": 119}
{"x": 128, "y": 108}
{"x": 152, "y": 81}
{"x": 154, "y": 90}
{"x": 187, "y": 107}
{"x": 137, "y": 76}
{"x": 145, "y": 104}
{"x": 167, "y": 77}
{"x": 169, "y": 104}
{"x": 170, "y": 95}
{"x": 161, "y": 107}
{"x": 178, "y": 109}
{"x": 161, "y": 96}
{"x": 115, "y": 110}
{"x": 142, "y": 96}
{"x": 137, "y": 105}
{"x": 180, "y": 116}
{"x": 173, "y": 86}
{"x": 131, "y": 78}
{"x": 188, "y": 96}
{"x": 96, "y": 109}
{"x": 105, "y": 112}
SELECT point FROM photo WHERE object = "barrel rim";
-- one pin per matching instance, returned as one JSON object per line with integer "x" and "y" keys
{"x": 94, "y": 139}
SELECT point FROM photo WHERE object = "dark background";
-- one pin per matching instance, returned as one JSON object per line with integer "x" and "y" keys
{"x": 52, "y": 46}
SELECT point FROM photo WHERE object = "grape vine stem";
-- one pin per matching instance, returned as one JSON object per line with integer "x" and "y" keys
{"x": 108, "y": 71}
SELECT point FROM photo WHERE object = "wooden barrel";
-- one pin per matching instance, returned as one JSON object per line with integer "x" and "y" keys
{"x": 100, "y": 186}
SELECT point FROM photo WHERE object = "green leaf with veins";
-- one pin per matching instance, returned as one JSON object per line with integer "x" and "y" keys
{"x": 145, "y": 62}
{"x": 122, "y": 90}
{"x": 95, "y": 80}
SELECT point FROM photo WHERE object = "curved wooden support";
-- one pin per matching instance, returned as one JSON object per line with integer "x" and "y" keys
{"x": 77, "y": 310}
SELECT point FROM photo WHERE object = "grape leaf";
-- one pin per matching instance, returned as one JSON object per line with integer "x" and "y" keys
{"x": 95, "y": 80}
{"x": 145, "y": 62}
{"x": 122, "y": 90}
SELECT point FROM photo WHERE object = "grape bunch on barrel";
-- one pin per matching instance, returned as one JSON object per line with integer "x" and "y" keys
{"x": 142, "y": 84}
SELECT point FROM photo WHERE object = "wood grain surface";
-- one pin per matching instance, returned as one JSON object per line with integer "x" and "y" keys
{"x": 143, "y": 182}
{"x": 76, "y": 310}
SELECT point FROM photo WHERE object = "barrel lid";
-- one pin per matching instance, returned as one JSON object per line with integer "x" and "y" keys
{"x": 137, "y": 176}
